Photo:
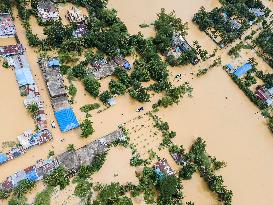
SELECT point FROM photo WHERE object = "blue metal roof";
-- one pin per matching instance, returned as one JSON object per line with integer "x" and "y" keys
{"x": 66, "y": 119}
{"x": 53, "y": 62}
{"x": 159, "y": 173}
{"x": 127, "y": 66}
{"x": 32, "y": 176}
{"x": 24, "y": 76}
{"x": 111, "y": 101}
{"x": 229, "y": 67}
{"x": 243, "y": 70}
{"x": 3, "y": 158}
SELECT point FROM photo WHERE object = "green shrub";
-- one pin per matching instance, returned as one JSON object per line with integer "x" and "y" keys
{"x": 105, "y": 96}
{"x": 87, "y": 108}
{"x": 92, "y": 86}
{"x": 86, "y": 128}
{"x": 59, "y": 177}
{"x": 117, "y": 88}
{"x": 23, "y": 187}
{"x": 187, "y": 171}
{"x": 43, "y": 198}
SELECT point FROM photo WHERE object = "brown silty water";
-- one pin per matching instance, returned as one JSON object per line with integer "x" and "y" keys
{"x": 219, "y": 112}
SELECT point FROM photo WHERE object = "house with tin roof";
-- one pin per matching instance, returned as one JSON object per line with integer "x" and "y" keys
{"x": 162, "y": 168}
{"x": 7, "y": 27}
{"x": 47, "y": 11}
{"x": 11, "y": 50}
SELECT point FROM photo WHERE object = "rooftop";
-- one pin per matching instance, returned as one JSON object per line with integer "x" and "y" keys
{"x": 162, "y": 167}
{"x": 66, "y": 119}
{"x": 12, "y": 50}
{"x": 243, "y": 70}
{"x": 7, "y": 27}
{"x": 47, "y": 11}
{"x": 101, "y": 69}
{"x": 75, "y": 15}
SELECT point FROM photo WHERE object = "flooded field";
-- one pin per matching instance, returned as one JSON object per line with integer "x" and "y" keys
{"x": 219, "y": 112}
{"x": 120, "y": 171}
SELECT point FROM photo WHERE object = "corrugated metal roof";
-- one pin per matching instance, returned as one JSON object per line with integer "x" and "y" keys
{"x": 53, "y": 62}
{"x": 243, "y": 70}
{"x": 66, "y": 119}
{"x": 3, "y": 158}
{"x": 229, "y": 66}
{"x": 24, "y": 76}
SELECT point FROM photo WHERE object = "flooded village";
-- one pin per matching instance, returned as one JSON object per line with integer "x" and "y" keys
{"x": 103, "y": 104}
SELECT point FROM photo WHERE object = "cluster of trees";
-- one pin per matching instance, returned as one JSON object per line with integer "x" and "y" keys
{"x": 25, "y": 14}
{"x": 18, "y": 196}
{"x": 123, "y": 79}
{"x": 105, "y": 30}
{"x": 218, "y": 20}
{"x": 201, "y": 52}
{"x": 266, "y": 78}
{"x": 71, "y": 148}
{"x": 43, "y": 198}
{"x": 249, "y": 3}
{"x": 87, "y": 108}
{"x": 173, "y": 95}
{"x": 259, "y": 103}
{"x": 33, "y": 110}
{"x": 132, "y": 83}
{"x": 235, "y": 51}
{"x": 105, "y": 96}
{"x": 112, "y": 194}
{"x": 265, "y": 42}
{"x": 83, "y": 190}
{"x": 148, "y": 55}
{"x": 163, "y": 190}
{"x": 165, "y": 26}
{"x": 202, "y": 72}
{"x": 84, "y": 187}
{"x": 140, "y": 94}
{"x": 250, "y": 79}
{"x": 86, "y": 128}
{"x": 216, "y": 62}
{"x": 140, "y": 72}
{"x": 57, "y": 34}
{"x": 5, "y": 64}
{"x": 136, "y": 160}
{"x": 207, "y": 165}
{"x": 187, "y": 171}
{"x": 59, "y": 177}
{"x": 196, "y": 159}
{"x": 164, "y": 128}
{"x": 72, "y": 91}
{"x": 117, "y": 88}
{"x": 92, "y": 86}
{"x": 5, "y": 6}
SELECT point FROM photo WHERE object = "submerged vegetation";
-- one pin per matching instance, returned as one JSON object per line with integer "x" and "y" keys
{"x": 265, "y": 43}
{"x": 228, "y": 23}
{"x": 86, "y": 128}
{"x": 108, "y": 37}
{"x": 195, "y": 160}
{"x": 59, "y": 177}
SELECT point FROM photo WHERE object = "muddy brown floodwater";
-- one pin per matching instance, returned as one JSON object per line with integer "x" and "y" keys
{"x": 219, "y": 112}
